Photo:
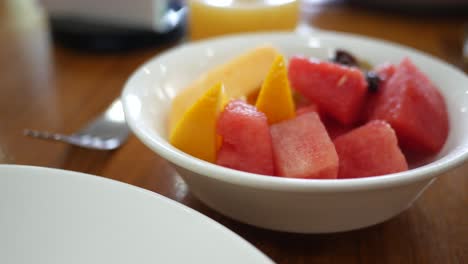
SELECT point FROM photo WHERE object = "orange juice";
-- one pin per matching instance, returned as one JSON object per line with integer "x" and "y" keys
{"x": 217, "y": 17}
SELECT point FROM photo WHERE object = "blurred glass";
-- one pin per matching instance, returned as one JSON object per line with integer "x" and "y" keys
{"x": 217, "y": 17}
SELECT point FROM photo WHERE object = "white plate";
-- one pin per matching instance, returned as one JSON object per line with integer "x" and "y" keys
{"x": 52, "y": 216}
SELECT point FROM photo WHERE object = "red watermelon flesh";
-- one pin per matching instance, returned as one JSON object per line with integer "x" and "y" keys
{"x": 414, "y": 108}
{"x": 384, "y": 71}
{"x": 338, "y": 90}
{"x": 246, "y": 143}
{"x": 370, "y": 150}
{"x": 303, "y": 149}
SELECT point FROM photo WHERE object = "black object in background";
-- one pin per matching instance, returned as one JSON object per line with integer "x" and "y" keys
{"x": 417, "y": 7}
{"x": 90, "y": 36}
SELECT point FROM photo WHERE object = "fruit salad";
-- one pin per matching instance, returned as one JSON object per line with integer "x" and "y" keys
{"x": 310, "y": 118}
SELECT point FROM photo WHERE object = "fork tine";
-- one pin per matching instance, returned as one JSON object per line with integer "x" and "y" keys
{"x": 81, "y": 141}
{"x": 43, "y": 135}
{"x": 106, "y": 132}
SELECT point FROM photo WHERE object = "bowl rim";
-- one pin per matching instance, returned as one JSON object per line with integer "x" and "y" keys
{"x": 188, "y": 162}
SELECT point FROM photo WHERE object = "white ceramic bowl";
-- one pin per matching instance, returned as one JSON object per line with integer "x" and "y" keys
{"x": 294, "y": 205}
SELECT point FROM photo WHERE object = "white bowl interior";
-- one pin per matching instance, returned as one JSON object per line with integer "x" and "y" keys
{"x": 148, "y": 93}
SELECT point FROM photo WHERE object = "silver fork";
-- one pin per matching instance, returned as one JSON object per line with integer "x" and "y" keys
{"x": 107, "y": 132}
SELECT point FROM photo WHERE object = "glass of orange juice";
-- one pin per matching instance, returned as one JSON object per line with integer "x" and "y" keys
{"x": 217, "y": 17}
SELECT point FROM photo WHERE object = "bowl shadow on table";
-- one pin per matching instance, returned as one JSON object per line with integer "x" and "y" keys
{"x": 399, "y": 234}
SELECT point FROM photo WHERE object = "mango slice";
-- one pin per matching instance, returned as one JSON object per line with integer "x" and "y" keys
{"x": 275, "y": 98}
{"x": 241, "y": 76}
{"x": 195, "y": 134}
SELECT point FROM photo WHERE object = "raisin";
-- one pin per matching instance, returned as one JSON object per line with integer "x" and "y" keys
{"x": 373, "y": 81}
{"x": 344, "y": 58}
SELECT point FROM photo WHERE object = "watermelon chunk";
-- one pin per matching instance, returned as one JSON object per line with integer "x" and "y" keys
{"x": 369, "y": 150}
{"x": 385, "y": 72}
{"x": 246, "y": 143}
{"x": 338, "y": 90}
{"x": 303, "y": 149}
{"x": 414, "y": 107}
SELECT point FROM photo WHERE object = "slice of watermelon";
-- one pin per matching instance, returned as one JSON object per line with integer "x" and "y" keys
{"x": 414, "y": 108}
{"x": 338, "y": 90}
{"x": 370, "y": 150}
{"x": 246, "y": 141}
{"x": 302, "y": 148}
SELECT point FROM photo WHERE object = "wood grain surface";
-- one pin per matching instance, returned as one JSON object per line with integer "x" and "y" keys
{"x": 48, "y": 87}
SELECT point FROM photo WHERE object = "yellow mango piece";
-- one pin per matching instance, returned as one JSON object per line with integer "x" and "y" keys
{"x": 195, "y": 134}
{"x": 241, "y": 76}
{"x": 275, "y": 98}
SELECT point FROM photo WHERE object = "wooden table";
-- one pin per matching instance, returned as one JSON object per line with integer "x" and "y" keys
{"x": 47, "y": 87}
